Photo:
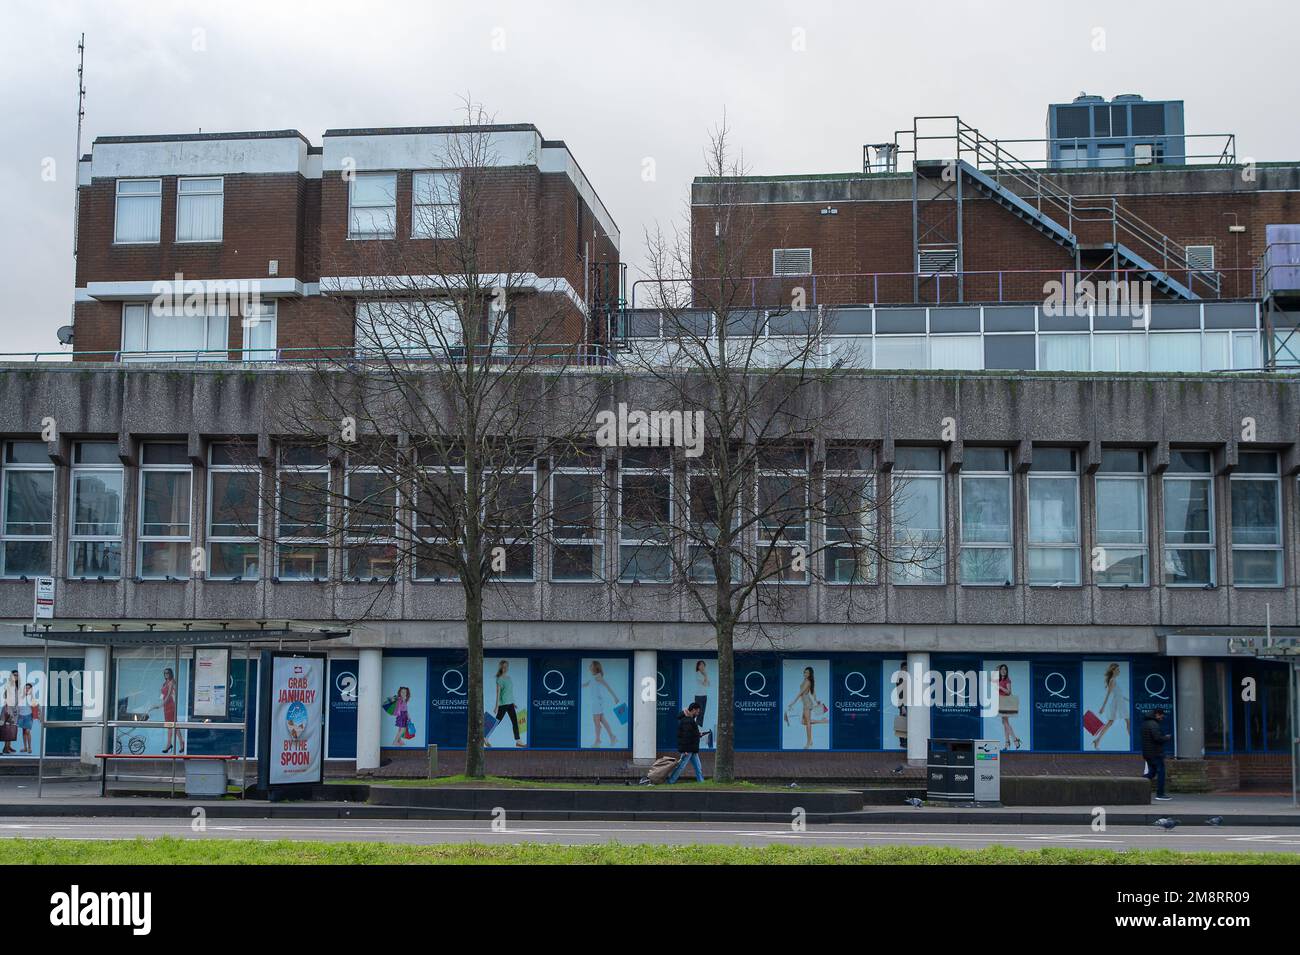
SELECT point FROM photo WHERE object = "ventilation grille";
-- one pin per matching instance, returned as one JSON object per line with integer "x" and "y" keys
{"x": 1200, "y": 258}
{"x": 792, "y": 261}
{"x": 936, "y": 261}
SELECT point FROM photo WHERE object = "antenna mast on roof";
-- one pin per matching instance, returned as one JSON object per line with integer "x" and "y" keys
{"x": 81, "y": 115}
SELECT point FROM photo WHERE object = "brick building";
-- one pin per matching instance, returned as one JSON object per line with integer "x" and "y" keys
{"x": 311, "y": 230}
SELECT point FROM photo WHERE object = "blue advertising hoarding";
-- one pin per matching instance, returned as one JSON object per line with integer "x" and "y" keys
{"x": 448, "y": 699}
{"x": 553, "y": 710}
{"x": 1057, "y": 714}
{"x": 855, "y": 702}
{"x": 341, "y": 714}
{"x": 757, "y": 701}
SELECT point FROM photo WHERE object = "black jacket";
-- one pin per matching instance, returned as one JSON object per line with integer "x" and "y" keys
{"x": 1153, "y": 739}
{"x": 688, "y": 734}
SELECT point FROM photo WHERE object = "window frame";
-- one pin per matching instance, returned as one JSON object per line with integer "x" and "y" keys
{"x": 221, "y": 313}
{"x": 247, "y": 324}
{"x": 74, "y": 538}
{"x": 1076, "y": 545}
{"x": 436, "y": 219}
{"x": 456, "y": 467}
{"x": 897, "y": 493}
{"x": 221, "y": 219}
{"x": 141, "y": 538}
{"x": 774, "y": 541}
{"x": 1010, "y": 545}
{"x": 596, "y": 541}
{"x": 859, "y": 532}
{"x": 390, "y": 233}
{"x": 669, "y": 474}
{"x": 530, "y": 540}
{"x": 1261, "y": 477}
{"x": 117, "y": 207}
{"x": 354, "y": 544}
{"x": 1142, "y": 480}
{"x": 210, "y": 537}
{"x": 47, "y": 467}
{"x": 1212, "y": 545}
{"x": 283, "y": 542}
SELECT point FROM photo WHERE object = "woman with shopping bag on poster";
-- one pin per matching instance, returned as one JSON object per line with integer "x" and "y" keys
{"x": 1008, "y": 706}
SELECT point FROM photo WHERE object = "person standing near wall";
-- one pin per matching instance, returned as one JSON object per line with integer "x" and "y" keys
{"x": 1154, "y": 739}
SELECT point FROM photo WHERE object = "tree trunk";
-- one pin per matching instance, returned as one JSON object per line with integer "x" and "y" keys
{"x": 474, "y": 673}
{"x": 724, "y": 757}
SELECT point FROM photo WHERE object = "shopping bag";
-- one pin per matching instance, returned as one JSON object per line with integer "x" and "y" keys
{"x": 410, "y": 728}
{"x": 1092, "y": 723}
{"x": 390, "y": 705}
{"x": 900, "y": 725}
{"x": 489, "y": 724}
{"x": 1009, "y": 704}
{"x": 620, "y": 711}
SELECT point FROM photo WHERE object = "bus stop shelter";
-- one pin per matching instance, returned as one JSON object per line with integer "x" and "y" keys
{"x": 120, "y": 724}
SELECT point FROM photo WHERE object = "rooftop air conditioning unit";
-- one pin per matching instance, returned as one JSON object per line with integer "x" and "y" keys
{"x": 1143, "y": 154}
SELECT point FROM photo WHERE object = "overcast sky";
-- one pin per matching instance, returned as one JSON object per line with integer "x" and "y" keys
{"x": 804, "y": 85}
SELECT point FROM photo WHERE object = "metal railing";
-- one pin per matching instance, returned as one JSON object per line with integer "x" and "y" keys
{"x": 560, "y": 353}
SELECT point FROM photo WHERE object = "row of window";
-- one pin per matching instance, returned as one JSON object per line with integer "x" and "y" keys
{"x": 372, "y": 207}
{"x": 202, "y": 333}
{"x": 786, "y": 262}
{"x": 646, "y": 523}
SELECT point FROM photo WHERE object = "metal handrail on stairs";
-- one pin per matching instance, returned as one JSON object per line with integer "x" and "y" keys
{"x": 1052, "y": 199}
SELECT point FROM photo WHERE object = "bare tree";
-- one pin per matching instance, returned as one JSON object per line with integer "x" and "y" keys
{"x": 765, "y": 502}
{"x": 420, "y": 452}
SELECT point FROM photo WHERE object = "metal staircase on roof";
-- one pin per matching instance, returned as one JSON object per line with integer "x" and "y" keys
{"x": 1127, "y": 241}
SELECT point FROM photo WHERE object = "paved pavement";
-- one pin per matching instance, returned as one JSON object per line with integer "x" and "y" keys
{"x": 1227, "y": 839}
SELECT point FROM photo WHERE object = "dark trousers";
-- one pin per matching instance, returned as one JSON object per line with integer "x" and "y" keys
{"x": 509, "y": 709}
{"x": 1156, "y": 771}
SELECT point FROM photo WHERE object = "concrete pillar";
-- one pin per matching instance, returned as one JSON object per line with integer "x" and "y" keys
{"x": 645, "y": 719}
{"x": 918, "y": 713}
{"x": 369, "y": 677}
{"x": 1189, "y": 735}
{"x": 94, "y": 700}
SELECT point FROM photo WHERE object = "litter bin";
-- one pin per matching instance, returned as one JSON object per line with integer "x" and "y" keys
{"x": 205, "y": 777}
{"x": 950, "y": 772}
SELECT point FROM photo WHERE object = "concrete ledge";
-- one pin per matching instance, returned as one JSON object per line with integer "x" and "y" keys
{"x": 1075, "y": 791}
{"x": 630, "y": 799}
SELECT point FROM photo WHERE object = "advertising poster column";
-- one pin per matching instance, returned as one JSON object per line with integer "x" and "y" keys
{"x": 700, "y": 685}
{"x": 606, "y": 721}
{"x": 1057, "y": 715}
{"x": 1108, "y": 715}
{"x": 293, "y": 734}
{"x": 805, "y": 714}
{"x": 855, "y": 703}
{"x": 1012, "y": 724}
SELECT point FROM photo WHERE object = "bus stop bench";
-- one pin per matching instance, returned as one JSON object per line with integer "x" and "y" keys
{"x": 204, "y": 775}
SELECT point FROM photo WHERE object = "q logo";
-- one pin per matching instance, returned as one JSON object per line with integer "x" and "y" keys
{"x": 662, "y": 684}
{"x": 1158, "y": 694}
{"x": 346, "y": 684}
{"x": 557, "y": 690}
{"x": 762, "y": 684}
{"x": 453, "y": 681}
{"x": 1059, "y": 692}
{"x": 858, "y": 691}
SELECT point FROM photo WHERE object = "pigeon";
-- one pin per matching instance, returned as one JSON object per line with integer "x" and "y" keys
{"x": 913, "y": 801}
{"x": 898, "y": 770}
{"x": 794, "y": 785}
{"x": 1164, "y": 822}
{"x": 1214, "y": 821}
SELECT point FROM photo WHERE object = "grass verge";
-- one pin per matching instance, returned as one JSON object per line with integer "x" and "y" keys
{"x": 202, "y": 851}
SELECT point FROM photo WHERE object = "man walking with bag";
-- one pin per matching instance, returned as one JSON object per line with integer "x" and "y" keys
{"x": 1153, "y": 751}
{"x": 688, "y": 743}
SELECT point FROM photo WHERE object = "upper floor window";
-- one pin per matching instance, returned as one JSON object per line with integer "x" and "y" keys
{"x": 439, "y": 502}
{"x": 1256, "y": 488}
{"x": 435, "y": 205}
{"x": 372, "y": 205}
{"x": 850, "y": 482}
{"x": 986, "y": 552}
{"x": 199, "y": 204}
{"x": 27, "y": 530}
{"x": 645, "y": 512}
{"x": 782, "y": 498}
{"x": 95, "y": 538}
{"x": 302, "y": 513}
{"x": 234, "y": 513}
{"x": 1121, "y": 554}
{"x": 370, "y": 525}
{"x": 1054, "y": 517}
{"x": 163, "y": 548}
{"x": 918, "y": 517}
{"x": 138, "y": 214}
{"x": 1189, "y": 520}
{"x": 258, "y": 324}
{"x": 577, "y": 525}
{"x": 510, "y": 513}
{"x": 154, "y": 334}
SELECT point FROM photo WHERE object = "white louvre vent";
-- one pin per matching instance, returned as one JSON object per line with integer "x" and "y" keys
{"x": 936, "y": 261}
{"x": 792, "y": 261}
{"x": 1200, "y": 258}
